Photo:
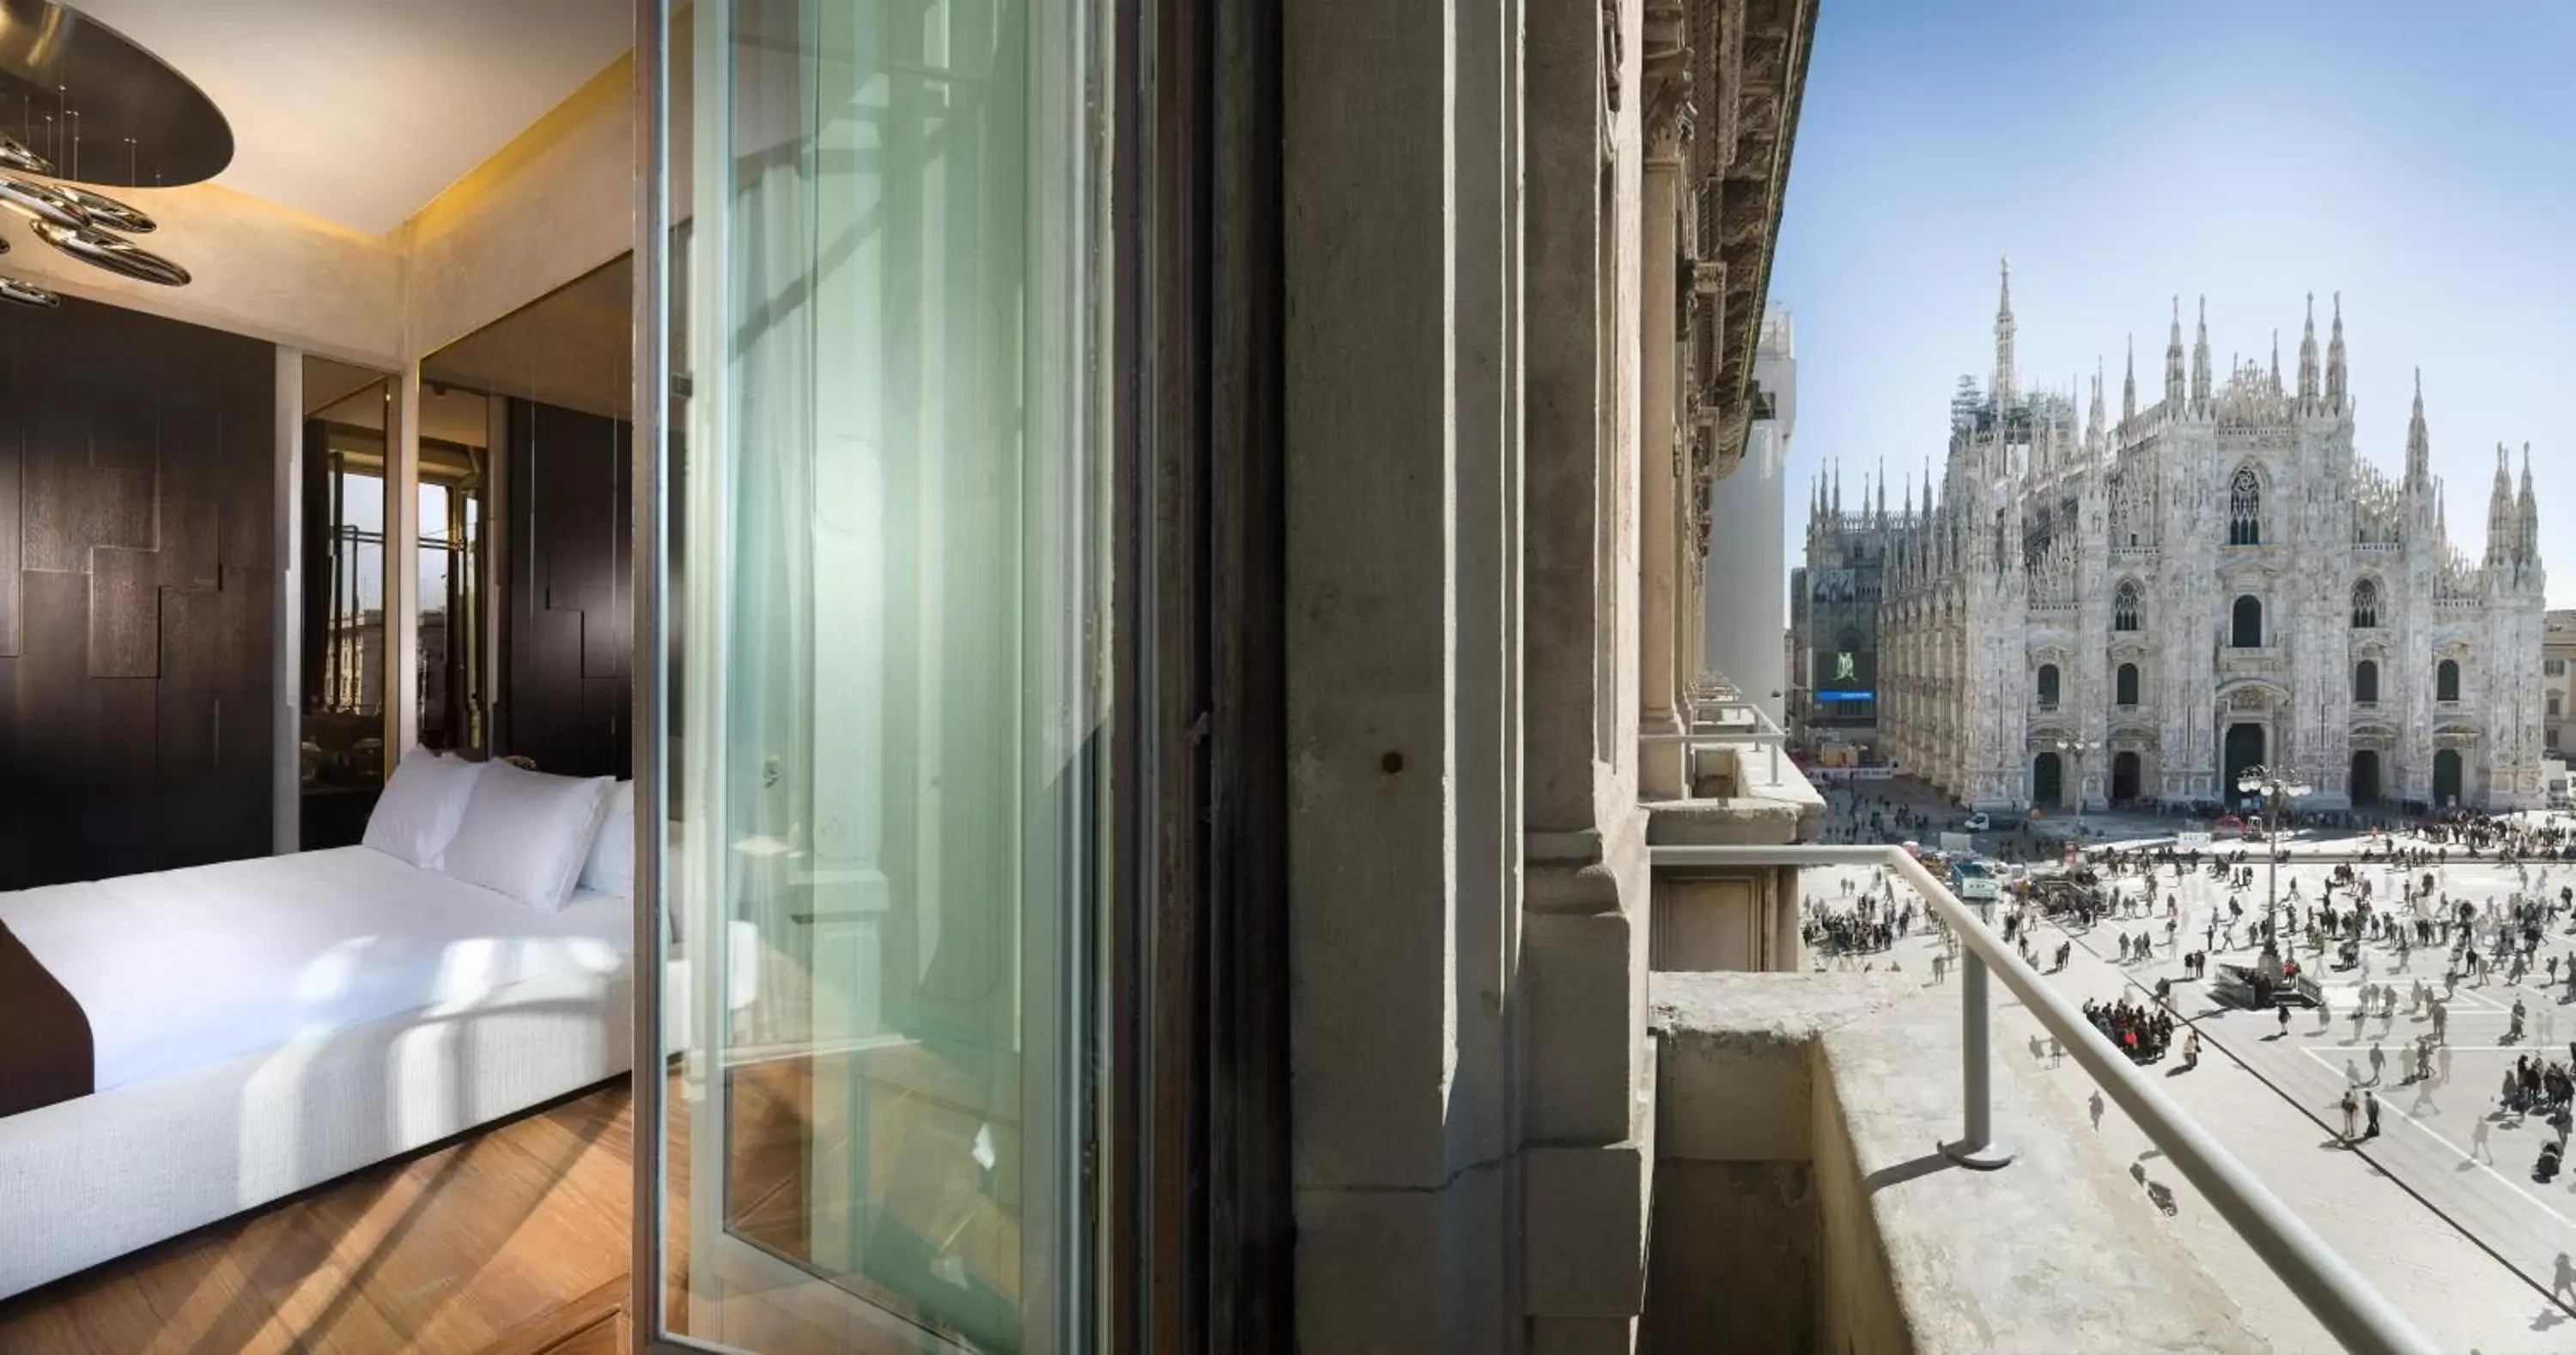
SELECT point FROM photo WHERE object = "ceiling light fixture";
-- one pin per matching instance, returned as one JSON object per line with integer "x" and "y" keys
{"x": 90, "y": 106}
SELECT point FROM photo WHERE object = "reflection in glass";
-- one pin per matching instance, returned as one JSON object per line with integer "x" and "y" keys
{"x": 449, "y": 663}
{"x": 885, "y": 852}
{"x": 342, "y": 612}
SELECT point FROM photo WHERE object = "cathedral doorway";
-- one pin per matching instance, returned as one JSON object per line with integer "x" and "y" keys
{"x": 2047, "y": 781}
{"x": 2124, "y": 777}
{"x": 2446, "y": 778}
{"x": 2365, "y": 776}
{"x": 2244, "y": 749}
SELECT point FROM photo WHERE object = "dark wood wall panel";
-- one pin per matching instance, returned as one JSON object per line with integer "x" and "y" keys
{"x": 566, "y": 693}
{"x": 138, "y": 564}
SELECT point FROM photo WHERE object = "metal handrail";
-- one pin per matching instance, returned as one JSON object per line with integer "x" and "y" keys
{"x": 1712, "y": 694}
{"x": 2351, "y": 1309}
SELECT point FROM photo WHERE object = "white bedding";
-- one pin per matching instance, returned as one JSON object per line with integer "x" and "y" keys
{"x": 186, "y": 969}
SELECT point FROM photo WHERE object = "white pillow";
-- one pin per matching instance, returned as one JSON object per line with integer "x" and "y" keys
{"x": 526, "y": 834}
{"x": 611, "y": 867}
{"x": 418, "y": 812}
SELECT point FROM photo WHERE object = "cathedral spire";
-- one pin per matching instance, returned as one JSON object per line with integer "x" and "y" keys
{"x": 2501, "y": 518}
{"x": 2200, "y": 358}
{"x": 2334, "y": 359}
{"x": 1838, "y": 487}
{"x": 2004, "y": 384}
{"x": 2173, "y": 364}
{"x": 2093, "y": 424}
{"x": 2276, "y": 362}
{"x": 1909, "y": 496}
{"x": 2419, "y": 443}
{"x": 1927, "y": 486}
{"x": 1882, "y": 491}
{"x": 2308, "y": 355}
{"x": 2129, "y": 386}
{"x": 2528, "y": 510}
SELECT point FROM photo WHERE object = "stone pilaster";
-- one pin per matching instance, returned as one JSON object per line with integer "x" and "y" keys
{"x": 1661, "y": 511}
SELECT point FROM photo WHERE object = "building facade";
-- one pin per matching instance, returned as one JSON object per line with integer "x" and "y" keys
{"x": 2557, "y": 678}
{"x": 1833, "y": 613}
{"x": 1744, "y": 593}
{"x": 2138, "y": 611}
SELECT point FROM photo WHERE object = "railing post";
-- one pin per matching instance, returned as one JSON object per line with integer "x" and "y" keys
{"x": 1976, "y": 1146}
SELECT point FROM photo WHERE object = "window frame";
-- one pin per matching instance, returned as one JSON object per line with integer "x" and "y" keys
{"x": 2245, "y": 507}
{"x": 2236, "y": 617}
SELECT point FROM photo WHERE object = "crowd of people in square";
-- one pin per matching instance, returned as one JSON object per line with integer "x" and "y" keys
{"x": 2139, "y": 1031}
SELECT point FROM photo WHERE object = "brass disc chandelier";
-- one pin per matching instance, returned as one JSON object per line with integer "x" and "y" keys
{"x": 82, "y": 108}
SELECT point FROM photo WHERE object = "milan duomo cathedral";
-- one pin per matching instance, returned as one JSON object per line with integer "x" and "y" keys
{"x": 2136, "y": 611}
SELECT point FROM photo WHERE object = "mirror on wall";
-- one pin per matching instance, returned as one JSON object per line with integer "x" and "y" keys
{"x": 342, "y": 735}
{"x": 526, "y": 638}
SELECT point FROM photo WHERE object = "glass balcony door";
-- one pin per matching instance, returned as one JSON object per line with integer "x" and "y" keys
{"x": 882, "y": 717}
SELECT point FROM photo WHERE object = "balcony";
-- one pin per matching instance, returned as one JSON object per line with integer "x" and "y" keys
{"x": 1799, "y": 1202}
{"x": 1798, "y": 1205}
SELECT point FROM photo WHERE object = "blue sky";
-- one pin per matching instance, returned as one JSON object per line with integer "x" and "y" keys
{"x": 2124, "y": 152}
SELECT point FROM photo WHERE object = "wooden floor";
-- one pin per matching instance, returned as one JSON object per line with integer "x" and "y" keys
{"x": 513, "y": 1241}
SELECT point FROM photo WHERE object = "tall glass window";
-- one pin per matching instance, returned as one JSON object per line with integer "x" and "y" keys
{"x": 884, "y": 857}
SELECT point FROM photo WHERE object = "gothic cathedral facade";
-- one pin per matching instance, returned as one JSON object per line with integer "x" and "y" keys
{"x": 2137, "y": 612}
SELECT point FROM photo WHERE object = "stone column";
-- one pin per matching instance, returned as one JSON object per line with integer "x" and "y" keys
{"x": 1661, "y": 481}
{"x": 1401, "y": 187}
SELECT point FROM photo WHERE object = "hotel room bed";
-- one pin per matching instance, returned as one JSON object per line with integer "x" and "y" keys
{"x": 265, "y": 1025}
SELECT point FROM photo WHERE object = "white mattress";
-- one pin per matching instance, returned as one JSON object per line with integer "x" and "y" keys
{"x": 186, "y": 969}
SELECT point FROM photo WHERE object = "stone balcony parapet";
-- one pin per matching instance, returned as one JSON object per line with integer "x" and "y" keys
{"x": 1801, "y": 1203}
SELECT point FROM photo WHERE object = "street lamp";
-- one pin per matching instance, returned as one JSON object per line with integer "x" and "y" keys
{"x": 2076, "y": 749}
{"x": 2278, "y": 789}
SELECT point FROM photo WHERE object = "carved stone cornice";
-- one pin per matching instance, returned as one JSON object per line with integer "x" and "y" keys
{"x": 1667, "y": 110}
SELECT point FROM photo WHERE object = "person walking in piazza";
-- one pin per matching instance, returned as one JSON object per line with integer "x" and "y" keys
{"x": 2352, "y": 1108}
{"x": 2370, "y": 1109}
{"x": 2284, "y": 1014}
{"x": 2378, "y": 1062}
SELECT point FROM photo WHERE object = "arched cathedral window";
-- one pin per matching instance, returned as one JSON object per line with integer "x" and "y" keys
{"x": 2124, "y": 606}
{"x": 2365, "y": 681}
{"x": 2446, "y": 681}
{"x": 2048, "y": 686}
{"x": 2125, "y": 685}
{"x": 2365, "y": 605}
{"x": 2245, "y": 509}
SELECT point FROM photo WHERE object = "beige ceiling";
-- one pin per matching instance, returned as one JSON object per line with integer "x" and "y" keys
{"x": 572, "y": 347}
{"x": 361, "y": 111}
